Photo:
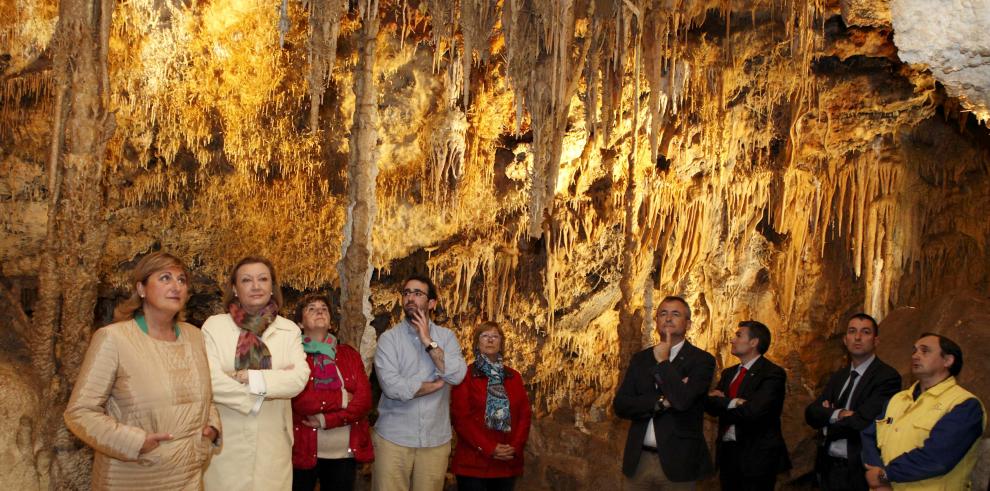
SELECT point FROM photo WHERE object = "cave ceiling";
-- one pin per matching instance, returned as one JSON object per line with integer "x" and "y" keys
{"x": 555, "y": 165}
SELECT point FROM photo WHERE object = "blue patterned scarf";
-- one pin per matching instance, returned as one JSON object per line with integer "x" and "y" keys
{"x": 497, "y": 415}
{"x": 324, "y": 355}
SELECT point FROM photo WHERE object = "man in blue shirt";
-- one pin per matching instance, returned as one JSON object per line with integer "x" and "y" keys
{"x": 927, "y": 433}
{"x": 416, "y": 363}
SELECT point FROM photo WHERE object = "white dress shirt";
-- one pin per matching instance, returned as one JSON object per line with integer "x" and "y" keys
{"x": 840, "y": 448}
{"x": 650, "y": 439}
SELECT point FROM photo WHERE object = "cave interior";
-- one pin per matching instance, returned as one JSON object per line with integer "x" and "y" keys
{"x": 556, "y": 166}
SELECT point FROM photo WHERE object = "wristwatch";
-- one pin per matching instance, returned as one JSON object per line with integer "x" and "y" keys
{"x": 883, "y": 477}
{"x": 432, "y": 346}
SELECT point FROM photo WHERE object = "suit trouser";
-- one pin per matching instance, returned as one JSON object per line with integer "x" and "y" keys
{"x": 731, "y": 475}
{"x": 840, "y": 475}
{"x": 649, "y": 476}
{"x": 399, "y": 468}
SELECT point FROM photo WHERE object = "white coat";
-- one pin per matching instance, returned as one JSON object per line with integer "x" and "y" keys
{"x": 256, "y": 452}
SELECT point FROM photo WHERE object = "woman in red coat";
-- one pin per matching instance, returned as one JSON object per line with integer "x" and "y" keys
{"x": 330, "y": 416}
{"x": 491, "y": 414}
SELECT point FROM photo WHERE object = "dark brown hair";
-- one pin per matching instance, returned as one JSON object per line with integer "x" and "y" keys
{"x": 312, "y": 298}
{"x": 867, "y": 317}
{"x": 948, "y": 347}
{"x": 759, "y": 331}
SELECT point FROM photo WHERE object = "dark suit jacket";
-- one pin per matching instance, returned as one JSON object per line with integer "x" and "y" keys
{"x": 680, "y": 439}
{"x": 762, "y": 450}
{"x": 875, "y": 387}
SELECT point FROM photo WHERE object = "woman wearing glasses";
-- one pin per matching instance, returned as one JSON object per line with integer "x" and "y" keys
{"x": 491, "y": 414}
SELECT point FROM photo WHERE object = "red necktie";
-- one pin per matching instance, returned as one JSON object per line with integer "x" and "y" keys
{"x": 736, "y": 382}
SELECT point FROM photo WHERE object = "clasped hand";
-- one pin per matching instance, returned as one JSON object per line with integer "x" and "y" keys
{"x": 504, "y": 452}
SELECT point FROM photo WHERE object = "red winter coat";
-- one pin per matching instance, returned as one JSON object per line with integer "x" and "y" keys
{"x": 311, "y": 401}
{"x": 475, "y": 441}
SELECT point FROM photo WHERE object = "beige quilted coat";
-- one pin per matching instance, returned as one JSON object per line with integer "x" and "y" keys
{"x": 132, "y": 384}
{"x": 257, "y": 446}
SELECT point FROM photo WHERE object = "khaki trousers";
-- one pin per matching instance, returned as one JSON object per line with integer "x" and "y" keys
{"x": 399, "y": 468}
{"x": 649, "y": 476}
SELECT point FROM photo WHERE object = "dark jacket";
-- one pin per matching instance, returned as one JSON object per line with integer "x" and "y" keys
{"x": 681, "y": 444}
{"x": 875, "y": 387}
{"x": 475, "y": 441}
{"x": 312, "y": 401}
{"x": 762, "y": 450}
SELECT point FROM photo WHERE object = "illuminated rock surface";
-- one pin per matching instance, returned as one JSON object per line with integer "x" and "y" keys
{"x": 789, "y": 161}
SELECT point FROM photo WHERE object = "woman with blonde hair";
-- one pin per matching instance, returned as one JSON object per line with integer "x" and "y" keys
{"x": 257, "y": 365}
{"x": 143, "y": 397}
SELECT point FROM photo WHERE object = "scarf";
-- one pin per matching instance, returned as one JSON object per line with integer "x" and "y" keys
{"x": 324, "y": 355}
{"x": 497, "y": 415}
{"x": 251, "y": 352}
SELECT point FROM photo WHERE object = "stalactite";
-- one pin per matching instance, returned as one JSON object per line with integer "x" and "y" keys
{"x": 442, "y": 19}
{"x": 324, "y": 25}
{"x": 446, "y": 145}
{"x": 539, "y": 37}
{"x": 477, "y": 17}
{"x": 630, "y": 306}
{"x": 355, "y": 267}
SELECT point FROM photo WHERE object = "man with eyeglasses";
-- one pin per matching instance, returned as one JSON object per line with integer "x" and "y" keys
{"x": 416, "y": 362}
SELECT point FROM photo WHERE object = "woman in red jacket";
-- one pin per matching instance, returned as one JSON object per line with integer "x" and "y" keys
{"x": 491, "y": 414}
{"x": 330, "y": 416}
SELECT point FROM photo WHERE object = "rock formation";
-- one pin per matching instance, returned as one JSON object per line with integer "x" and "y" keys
{"x": 556, "y": 166}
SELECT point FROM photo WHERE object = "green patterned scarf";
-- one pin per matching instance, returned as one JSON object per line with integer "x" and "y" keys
{"x": 251, "y": 352}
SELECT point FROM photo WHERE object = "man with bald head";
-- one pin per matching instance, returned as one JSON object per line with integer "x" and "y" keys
{"x": 663, "y": 393}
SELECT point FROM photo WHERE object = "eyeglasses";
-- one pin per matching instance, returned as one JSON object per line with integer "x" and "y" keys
{"x": 413, "y": 292}
{"x": 494, "y": 336}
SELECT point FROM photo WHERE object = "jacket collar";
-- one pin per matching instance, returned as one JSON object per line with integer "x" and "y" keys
{"x": 477, "y": 373}
{"x": 935, "y": 390}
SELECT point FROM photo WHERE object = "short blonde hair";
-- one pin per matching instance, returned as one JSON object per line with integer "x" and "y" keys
{"x": 483, "y": 328}
{"x": 228, "y": 289}
{"x": 147, "y": 266}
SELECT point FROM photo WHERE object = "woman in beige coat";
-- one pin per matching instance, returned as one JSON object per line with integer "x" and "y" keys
{"x": 142, "y": 399}
{"x": 257, "y": 365}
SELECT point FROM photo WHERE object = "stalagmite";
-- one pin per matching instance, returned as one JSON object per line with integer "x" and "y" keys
{"x": 77, "y": 229}
{"x": 354, "y": 268}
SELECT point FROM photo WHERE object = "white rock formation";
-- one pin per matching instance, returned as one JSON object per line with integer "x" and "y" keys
{"x": 951, "y": 39}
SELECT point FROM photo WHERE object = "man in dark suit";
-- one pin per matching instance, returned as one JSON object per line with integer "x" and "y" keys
{"x": 663, "y": 393}
{"x": 853, "y": 397}
{"x": 748, "y": 401}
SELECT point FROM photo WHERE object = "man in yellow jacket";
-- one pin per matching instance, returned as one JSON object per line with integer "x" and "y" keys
{"x": 926, "y": 438}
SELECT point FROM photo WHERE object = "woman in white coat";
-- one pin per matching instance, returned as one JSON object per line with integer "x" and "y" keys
{"x": 257, "y": 365}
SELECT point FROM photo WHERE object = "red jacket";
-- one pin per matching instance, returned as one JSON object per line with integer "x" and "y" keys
{"x": 475, "y": 441}
{"x": 311, "y": 401}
